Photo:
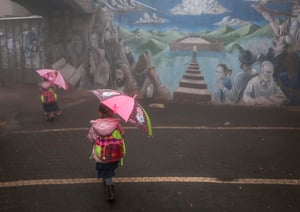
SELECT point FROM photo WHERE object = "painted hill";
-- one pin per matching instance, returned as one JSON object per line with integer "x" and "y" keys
{"x": 220, "y": 32}
{"x": 246, "y": 30}
{"x": 153, "y": 40}
{"x": 169, "y": 35}
{"x": 144, "y": 35}
{"x": 234, "y": 46}
{"x": 201, "y": 33}
{"x": 123, "y": 33}
{"x": 240, "y": 33}
{"x": 228, "y": 35}
{"x": 263, "y": 32}
{"x": 155, "y": 46}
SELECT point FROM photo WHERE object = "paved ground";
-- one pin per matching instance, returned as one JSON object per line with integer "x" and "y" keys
{"x": 19, "y": 102}
{"x": 202, "y": 158}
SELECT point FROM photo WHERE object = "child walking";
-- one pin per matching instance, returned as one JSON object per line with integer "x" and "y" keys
{"x": 49, "y": 99}
{"x": 106, "y": 134}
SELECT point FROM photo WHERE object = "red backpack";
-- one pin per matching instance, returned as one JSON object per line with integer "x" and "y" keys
{"x": 110, "y": 148}
{"x": 48, "y": 96}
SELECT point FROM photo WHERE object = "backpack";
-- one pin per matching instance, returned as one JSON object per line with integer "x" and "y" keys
{"x": 109, "y": 148}
{"x": 48, "y": 96}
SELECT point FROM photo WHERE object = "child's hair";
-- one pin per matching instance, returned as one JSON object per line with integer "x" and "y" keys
{"x": 106, "y": 112}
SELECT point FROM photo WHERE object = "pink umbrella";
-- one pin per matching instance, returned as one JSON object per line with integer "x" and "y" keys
{"x": 53, "y": 76}
{"x": 121, "y": 105}
{"x": 126, "y": 107}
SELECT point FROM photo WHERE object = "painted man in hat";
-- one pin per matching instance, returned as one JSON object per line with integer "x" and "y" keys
{"x": 241, "y": 78}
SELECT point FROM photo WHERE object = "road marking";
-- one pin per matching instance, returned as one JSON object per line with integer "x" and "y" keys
{"x": 161, "y": 128}
{"x": 72, "y": 181}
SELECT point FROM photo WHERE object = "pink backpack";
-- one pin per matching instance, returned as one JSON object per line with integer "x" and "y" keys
{"x": 48, "y": 96}
{"x": 109, "y": 143}
{"x": 110, "y": 148}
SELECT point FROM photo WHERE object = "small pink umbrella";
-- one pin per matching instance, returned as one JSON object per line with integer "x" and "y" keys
{"x": 53, "y": 76}
{"x": 121, "y": 105}
{"x": 127, "y": 108}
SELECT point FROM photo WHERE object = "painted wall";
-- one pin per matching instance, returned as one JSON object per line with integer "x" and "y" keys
{"x": 21, "y": 48}
{"x": 268, "y": 30}
{"x": 221, "y": 52}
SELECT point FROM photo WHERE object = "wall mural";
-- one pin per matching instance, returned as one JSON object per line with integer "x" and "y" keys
{"x": 188, "y": 51}
{"x": 247, "y": 51}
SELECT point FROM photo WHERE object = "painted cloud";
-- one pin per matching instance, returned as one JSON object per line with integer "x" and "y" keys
{"x": 198, "y": 7}
{"x": 150, "y": 19}
{"x": 228, "y": 21}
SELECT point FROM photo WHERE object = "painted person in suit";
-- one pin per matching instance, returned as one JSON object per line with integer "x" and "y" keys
{"x": 262, "y": 89}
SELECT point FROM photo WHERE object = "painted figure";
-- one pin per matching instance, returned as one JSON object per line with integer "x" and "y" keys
{"x": 153, "y": 88}
{"x": 123, "y": 83}
{"x": 76, "y": 51}
{"x": 223, "y": 81}
{"x": 241, "y": 78}
{"x": 288, "y": 76}
{"x": 286, "y": 48}
{"x": 100, "y": 71}
{"x": 286, "y": 32}
{"x": 263, "y": 90}
{"x": 30, "y": 45}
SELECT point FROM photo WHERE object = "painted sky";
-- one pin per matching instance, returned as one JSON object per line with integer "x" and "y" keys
{"x": 194, "y": 15}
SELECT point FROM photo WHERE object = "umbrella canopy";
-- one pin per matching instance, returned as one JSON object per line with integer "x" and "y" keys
{"x": 53, "y": 76}
{"x": 126, "y": 107}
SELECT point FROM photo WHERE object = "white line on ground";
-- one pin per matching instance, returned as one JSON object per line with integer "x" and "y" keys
{"x": 161, "y": 127}
{"x": 241, "y": 181}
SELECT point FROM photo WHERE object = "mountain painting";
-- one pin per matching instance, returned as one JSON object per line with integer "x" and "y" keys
{"x": 251, "y": 26}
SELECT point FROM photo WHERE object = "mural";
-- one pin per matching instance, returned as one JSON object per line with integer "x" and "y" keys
{"x": 235, "y": 41}
{"x": 193, "y": 51}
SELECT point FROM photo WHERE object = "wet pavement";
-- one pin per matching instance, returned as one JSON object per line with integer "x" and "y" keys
{"x": 201, "y": 158}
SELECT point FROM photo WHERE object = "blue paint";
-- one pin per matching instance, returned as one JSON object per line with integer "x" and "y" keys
{"x": 240, "y": 9}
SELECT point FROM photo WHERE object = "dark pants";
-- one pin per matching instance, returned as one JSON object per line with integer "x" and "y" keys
{"x": 106, "y": 171}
